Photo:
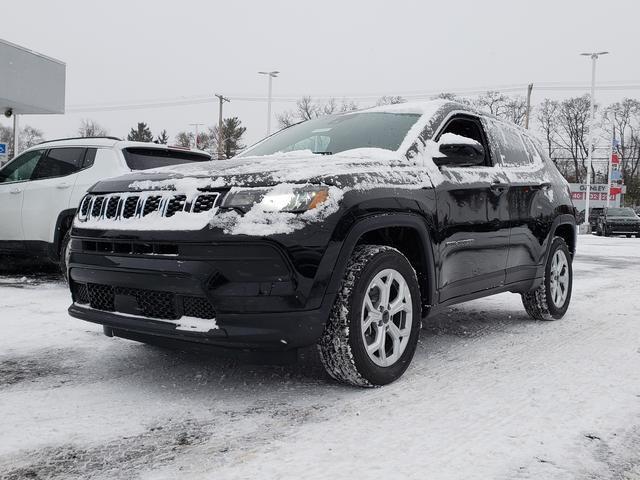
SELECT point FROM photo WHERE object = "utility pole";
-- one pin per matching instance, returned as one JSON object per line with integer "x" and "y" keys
{"x": 594, "y": 56}
{"x": 271, "y": 75}
{"x": 526, "y": 118}
{"x": 196, "y": 125}
{"x": 222, "y": 99}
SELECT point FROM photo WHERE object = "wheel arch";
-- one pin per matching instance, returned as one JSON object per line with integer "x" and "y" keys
{"x": 63, "y": 224}
{"x": 406, "y": 232}
{"x": 565, "y": 228}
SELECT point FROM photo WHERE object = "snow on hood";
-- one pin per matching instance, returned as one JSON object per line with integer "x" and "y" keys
{"x": 357, "y": 169}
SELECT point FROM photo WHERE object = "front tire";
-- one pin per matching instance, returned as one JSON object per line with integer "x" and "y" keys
{"x": 550, "y": 300}
{"x": 372, "y": 332}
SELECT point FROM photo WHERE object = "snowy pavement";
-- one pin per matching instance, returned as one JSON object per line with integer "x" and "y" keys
{"x": 490, "y": 395}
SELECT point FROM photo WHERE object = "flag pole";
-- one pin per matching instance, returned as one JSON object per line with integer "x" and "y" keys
{"x": 613, "y": 142}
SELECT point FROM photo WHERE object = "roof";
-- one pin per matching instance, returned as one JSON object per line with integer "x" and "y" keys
{"x": 109, "y": 142}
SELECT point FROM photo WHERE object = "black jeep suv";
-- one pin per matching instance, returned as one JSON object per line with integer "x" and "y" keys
{"x": 344, "y": 231}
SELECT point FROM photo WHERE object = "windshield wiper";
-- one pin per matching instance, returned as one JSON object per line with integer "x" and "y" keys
{"x": 322, "y": 153}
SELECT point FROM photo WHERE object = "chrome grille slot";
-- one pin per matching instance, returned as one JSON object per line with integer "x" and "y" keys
{"x": 122, "y": 206}
{"x": 111, "y": 211}
{"x": 130, "y": 207}
{"x": 152, "y": 204}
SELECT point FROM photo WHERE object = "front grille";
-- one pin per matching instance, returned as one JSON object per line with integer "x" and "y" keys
{"x": 101, "y": 297}
{"x": 130, "y": 207}
{"x": 204, "y": 203}
{"x": 81, "y": 293}
{"x": 150, "y": 303}
{"x": 112, "y": 207}
{"x": 153, "y": 303}
{"x": 151, "y": 205}
{"x": 116, "y": 207}
{"x": 198, "y": 307}
{"x": 96, "y": 209}
{"x": 175, "y": 204}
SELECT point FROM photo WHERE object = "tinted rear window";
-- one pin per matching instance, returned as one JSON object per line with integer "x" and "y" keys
{"x": 144, "y": 158}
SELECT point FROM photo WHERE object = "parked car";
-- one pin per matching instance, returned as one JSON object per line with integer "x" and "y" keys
{"x": 41, "y": 188}
{"x": 344, "y": 231}
{"x": 594, "y": 214}
{"x": 618, "y": 221}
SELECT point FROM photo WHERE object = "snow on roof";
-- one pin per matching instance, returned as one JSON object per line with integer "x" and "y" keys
{"x": 420, "y": 108}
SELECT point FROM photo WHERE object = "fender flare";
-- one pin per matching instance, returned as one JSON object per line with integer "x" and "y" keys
{"x": 379, "y": 221}
{"x": 59, "y": 232}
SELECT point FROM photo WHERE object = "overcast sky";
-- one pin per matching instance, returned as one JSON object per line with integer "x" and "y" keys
{"x": 132, "y": 51}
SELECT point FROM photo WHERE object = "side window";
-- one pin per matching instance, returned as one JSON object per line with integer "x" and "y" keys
{"x": 89, "y": 158}
{"x": 513, "y": 152}
{"x": 22, "y": 167}
{"x": 469, "y": 128}
{"x": 59, "y": 162}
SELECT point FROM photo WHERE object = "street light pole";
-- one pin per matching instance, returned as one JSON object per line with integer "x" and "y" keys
{"x": 271, "y": 75}
{"x": 594, "y": 56}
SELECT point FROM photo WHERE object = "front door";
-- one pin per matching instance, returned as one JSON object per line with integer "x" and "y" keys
{"x": 49, "y": 192}
{"x": 14, "y": 179}
{"x": 472, "y": 219}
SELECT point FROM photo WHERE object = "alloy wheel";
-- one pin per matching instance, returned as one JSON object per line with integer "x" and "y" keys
{"x": 387, "y": 316}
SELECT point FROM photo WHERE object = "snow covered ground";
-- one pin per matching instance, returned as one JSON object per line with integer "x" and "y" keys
{"x": 490, "y": 395}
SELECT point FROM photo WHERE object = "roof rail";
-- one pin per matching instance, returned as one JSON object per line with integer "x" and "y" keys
{"x": 79, "y": 138}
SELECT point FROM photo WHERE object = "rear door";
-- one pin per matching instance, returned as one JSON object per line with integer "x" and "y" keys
{"x": 472, "y": 219}
{"x": 530, "y": 200}
{"x": 49, "y": 192}
{"x": 14, "y": 178}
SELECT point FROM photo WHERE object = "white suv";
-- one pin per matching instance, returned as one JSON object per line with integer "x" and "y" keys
{"x": 41, "y": 188}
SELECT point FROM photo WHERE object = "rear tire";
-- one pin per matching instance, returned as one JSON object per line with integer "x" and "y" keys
{"x": 372, "y": 331}
{"x": 550, "y": 300}
{"x": 64, "y": 255}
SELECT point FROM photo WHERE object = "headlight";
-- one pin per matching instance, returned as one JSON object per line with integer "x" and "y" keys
{"x": 282, "y": 198}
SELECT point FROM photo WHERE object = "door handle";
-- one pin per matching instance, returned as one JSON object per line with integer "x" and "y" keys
{"x": 15, "y": 191}
{"x": 62, "y": 186}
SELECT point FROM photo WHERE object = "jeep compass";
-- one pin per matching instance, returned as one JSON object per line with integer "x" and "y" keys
{"x": 344, "y": 231}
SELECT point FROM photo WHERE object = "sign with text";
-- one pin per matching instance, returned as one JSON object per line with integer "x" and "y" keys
{"x": 597, "y": 195}
{"x": 3, "y": 150}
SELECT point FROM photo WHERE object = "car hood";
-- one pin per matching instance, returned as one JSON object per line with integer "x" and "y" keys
{"x": 622, "y": 219}
{"x": 370, "y": 166}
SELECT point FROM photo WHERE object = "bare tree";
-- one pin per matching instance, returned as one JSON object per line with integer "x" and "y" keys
{"x": 547, "y": 117}
{"x": 90, "y": 128}
{"x": 30, "y": 136}
{"x": 307, "y": 108}
{"x": 390, "y": 100}
{"x": 573, "y": 130}
{"x": 184, "y": 139}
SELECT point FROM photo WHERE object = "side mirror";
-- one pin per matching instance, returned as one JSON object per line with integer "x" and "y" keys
{"x": 459, "y": 151}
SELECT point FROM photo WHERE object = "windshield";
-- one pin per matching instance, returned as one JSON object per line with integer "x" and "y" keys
{"x": 620, "y": 212}
{"x": 338, "y": 133}
{"x": 141, "y": 158}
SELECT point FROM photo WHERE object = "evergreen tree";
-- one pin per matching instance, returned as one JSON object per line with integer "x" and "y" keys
{"x": 163, "y": 138}
{"x": 232, "y": 133}
{"x": 184, "y": 139}
{"x": 140, "y": 134}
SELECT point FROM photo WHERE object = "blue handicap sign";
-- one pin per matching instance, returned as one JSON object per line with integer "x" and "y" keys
{"x": 3, "y": 149}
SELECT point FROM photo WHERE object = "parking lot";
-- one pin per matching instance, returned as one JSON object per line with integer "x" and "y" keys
{"x": 490, "y": 394}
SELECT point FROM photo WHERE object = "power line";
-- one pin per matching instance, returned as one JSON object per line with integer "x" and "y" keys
{"x": 409, "y": 95}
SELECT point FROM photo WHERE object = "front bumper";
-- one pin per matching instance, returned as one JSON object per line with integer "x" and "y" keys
{"x": 254, "y": 291}
{"x": 622, "y": 228}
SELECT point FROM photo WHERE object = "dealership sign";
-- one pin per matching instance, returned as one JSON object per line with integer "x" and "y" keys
{"x": 597, "y": 195}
